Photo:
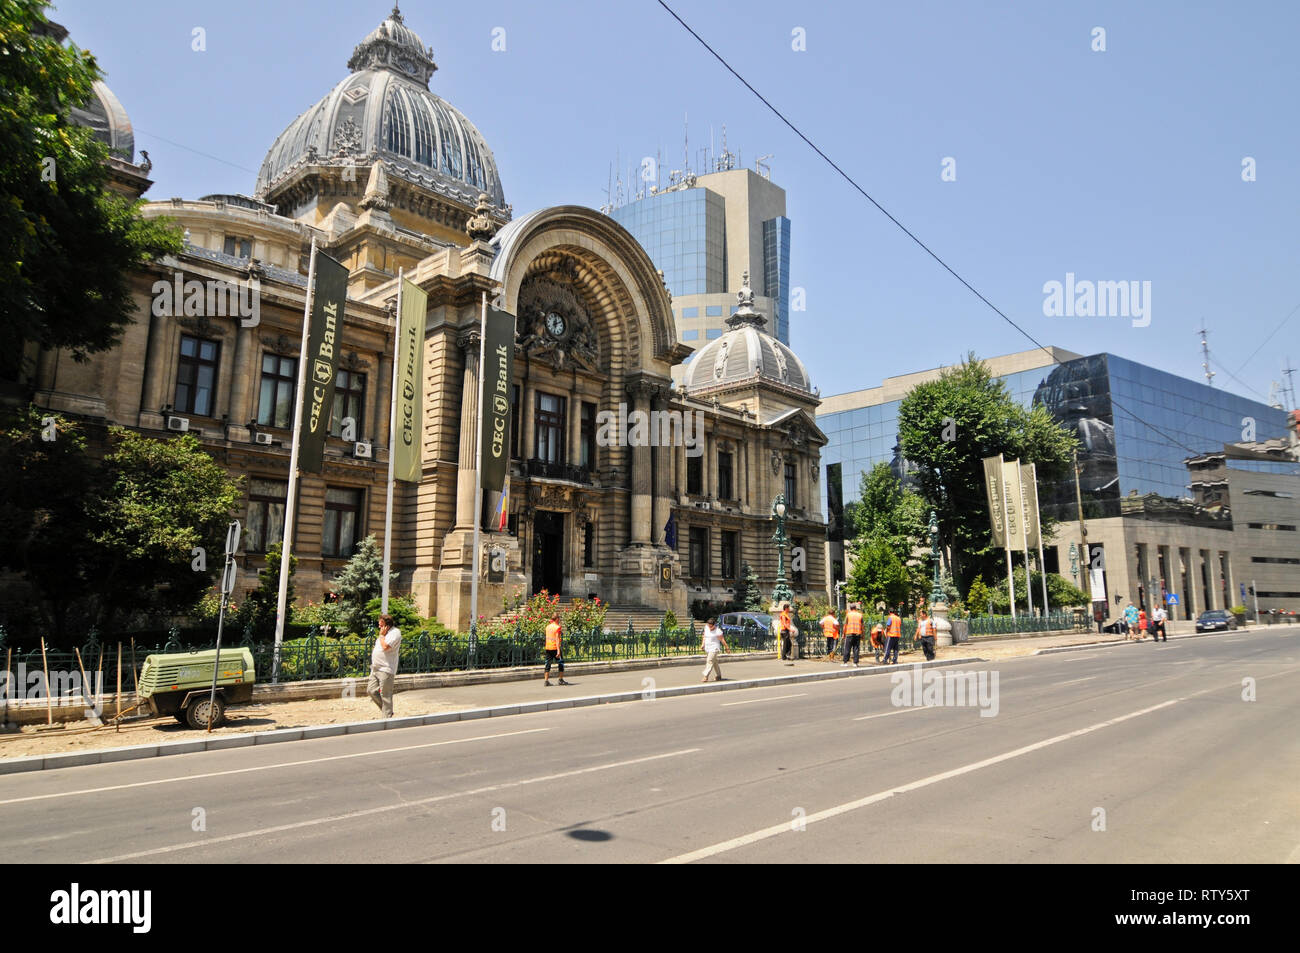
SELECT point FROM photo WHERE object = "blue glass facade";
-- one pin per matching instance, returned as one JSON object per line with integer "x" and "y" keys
{"x": 776, "y": 272}
{"x": 1128, "y": 468}
{"x": 684, "y": 233}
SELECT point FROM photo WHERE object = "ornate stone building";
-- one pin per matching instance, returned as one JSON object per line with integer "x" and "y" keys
{"x": 385, "y": 175}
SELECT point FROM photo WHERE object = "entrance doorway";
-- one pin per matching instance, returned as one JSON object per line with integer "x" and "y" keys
{"x": 548, "y": 552}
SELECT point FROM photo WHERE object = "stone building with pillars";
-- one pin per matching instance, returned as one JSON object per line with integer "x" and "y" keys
{"x": 386, "y": 176}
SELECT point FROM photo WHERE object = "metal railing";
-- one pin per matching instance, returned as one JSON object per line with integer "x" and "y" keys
{"x": 984, "y": 625}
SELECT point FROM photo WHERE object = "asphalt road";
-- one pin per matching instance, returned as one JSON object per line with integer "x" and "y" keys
{"x": 1142, "y": 753}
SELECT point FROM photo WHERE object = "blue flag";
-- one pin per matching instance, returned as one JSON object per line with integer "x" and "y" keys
{"x": 670, "y": 531}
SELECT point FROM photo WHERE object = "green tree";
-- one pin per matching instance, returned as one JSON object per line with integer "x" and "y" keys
{"x": 888, "y": 518}
{"x": 361, "y": 580}
{"x": 752, "y": 597}
{"x": 878, "y": 575}
{"x": 946, "y": 427}
{"x": 68, "y": 245}
{"x": 978, "y": 597}
{"x": 1060, "y": 593}
{"x": 137, "y": 534}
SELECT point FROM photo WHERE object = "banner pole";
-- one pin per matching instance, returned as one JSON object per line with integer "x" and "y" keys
{"x": 291, "y": 501}
{"x": 1038, "y": 522}
{"x": 478, "y": 484}
{"x": 1024, "y": 538}
{"x": 392, "y": 447}
{"x": 1006, "y": 536}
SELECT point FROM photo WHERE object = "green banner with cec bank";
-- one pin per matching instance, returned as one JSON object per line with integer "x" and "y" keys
{"x": 498, "y": 364}
{"x": 324, "y": 336}
{"x": 410, "y": 345}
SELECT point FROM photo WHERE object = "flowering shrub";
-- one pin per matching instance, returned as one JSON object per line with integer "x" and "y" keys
{"x": 577, "y": 615}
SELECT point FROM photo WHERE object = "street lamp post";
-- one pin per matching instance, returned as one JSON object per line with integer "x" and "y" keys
{"x": 782, "y": 592}
{"x": 938, "y": 602}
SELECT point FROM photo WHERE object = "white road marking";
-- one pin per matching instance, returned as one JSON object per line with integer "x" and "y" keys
{"x": 265, "y": 767}
{"x": 1076, "y": 680}
{"x": 404, "y": 805}
{"x": 784, "y": 826}
{"x": 886, "y": 714}
{"x": 774, "y": 698}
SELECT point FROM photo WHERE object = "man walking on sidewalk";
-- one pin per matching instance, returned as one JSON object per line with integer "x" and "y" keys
{"x": 714, "y": 644}
{"x": 925, "y": 633}
{"x": 789, "y": 643}
{"x": 554, "y": 642}
{"x": 1158, "y": 631}
{"x": 383, "y": 665}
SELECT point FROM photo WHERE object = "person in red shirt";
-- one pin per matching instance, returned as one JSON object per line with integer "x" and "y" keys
{"x": 1142, "y": 624}
{"x": 554, "y": 643}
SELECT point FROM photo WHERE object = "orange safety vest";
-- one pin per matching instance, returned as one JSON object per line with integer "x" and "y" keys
{"x": 553, "y": 636}
{"x": 830, "y": 626}
{"x": 853, "y": 623}
{"x": 785, "y": 620}
{"x": 895, "y": 626}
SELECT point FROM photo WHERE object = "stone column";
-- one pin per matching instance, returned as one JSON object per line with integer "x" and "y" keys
{"x": 469, "y": 345}
{"x": 528, "y": 445}
{"x": 242, "y": 375}
{"x": 663, "y": 462}
{"x": 573, "y": 453}
{"x": 641, "y": 473}
{"x": 155, "y": 373}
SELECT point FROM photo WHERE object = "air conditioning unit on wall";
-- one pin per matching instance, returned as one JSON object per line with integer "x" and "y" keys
{"x": 180, "y": 424}
{"x": 363, "y": 450}
{"x": 263, "y": 438}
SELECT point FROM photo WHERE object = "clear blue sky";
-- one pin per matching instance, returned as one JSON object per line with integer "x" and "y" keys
{"x": 1116, "y": 165}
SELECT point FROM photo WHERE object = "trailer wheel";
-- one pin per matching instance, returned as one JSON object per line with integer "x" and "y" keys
{"x": 196, "y": 713}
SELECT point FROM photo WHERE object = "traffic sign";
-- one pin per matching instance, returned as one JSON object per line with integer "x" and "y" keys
{"x": 1172, "y": 598}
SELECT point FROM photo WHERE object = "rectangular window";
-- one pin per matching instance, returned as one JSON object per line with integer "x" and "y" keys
{"x": 342, "y": 522}
{"x": 588, "y": 426}
{"x": 730, "y": 549}
{"x": 1287, "y": 527}
{"x": 196, "y": 376}
{"x": 549, "y": 431}
{"x": 791, "y": 485}
{"x": 713, "y": 311}
{"x": 239, "y": 247}
{"x": 695, "y": 475}
{"x": 265, "y": 523}
{"x": 275, "y": 404}
{"x": 589, "y": 546}
{"x": 692, "y": 335}
{"x": 515, "y": 426}
{"x": 1284, "y": 560}
{"x": 699, "y": 552}
{"x": 712, "y": 334}
{"x": 691, "y": 312}
{"x": 349, "y": 401}
{"x": 726, "y": 490}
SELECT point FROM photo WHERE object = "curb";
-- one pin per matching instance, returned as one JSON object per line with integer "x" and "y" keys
{"x": 1090, "y": 646}
{"x": 252, "y": 738}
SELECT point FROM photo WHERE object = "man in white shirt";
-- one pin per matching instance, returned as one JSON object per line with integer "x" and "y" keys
{"x": 1158, "y": 631}
{"x": 383, "y": 665}
{"x": 714, "y": 643}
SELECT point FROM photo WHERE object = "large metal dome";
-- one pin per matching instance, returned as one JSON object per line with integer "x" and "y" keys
{"x": 745, "y": 354}
{"x": 105, "y": 116}
{"x": 384, "y": 109}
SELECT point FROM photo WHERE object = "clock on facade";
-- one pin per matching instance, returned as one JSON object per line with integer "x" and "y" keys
{"x": 555, "y": 325}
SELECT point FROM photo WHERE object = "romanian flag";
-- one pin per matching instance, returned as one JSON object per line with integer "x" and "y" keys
{"x": 502, "y": 513}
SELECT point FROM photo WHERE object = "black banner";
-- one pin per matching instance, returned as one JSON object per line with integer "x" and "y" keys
{"x": 322, "y": 357}
{"x": 498, "y": 364}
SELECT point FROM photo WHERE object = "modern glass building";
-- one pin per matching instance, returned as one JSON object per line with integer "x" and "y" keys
{"x": 707, "y": 234}
{"x": 1138, "y": 427}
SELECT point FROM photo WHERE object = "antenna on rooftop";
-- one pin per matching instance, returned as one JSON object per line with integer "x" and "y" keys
{"x": 762, "y": 168}
{"x": 1205, "y": 355}
{"x": 1288, "y": 370}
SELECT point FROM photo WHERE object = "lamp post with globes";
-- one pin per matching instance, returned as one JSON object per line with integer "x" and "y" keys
{"x": 781, "y": 593}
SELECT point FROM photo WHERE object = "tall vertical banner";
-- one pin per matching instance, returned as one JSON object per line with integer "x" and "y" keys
{"x": 1029, "y": 503}
{"x": 410, "y": 347}
{"x": 494, "y": 399}
{"x": 997, "y": 512}
{"x": 322, "y": 357}
{"x": 1015, "y": 504}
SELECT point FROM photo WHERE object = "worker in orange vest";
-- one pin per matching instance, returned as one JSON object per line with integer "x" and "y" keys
{"x": 925, "y": 634}
{"x": 554, "y": 642}
{"x": 830, "y": 629}
{"x": 852, "y": 633}
{"x": 893, "y": 636}
{"x": 789, "y": 640}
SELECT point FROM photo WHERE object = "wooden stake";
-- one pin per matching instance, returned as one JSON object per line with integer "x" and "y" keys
{"x": 118, "y": 705}
{"x": 88, "y": 702}
{"x": 99, "y": 680}
{"x": 45, "y": 668}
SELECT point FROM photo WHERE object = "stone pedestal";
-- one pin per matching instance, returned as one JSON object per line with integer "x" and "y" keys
{"x": 942, "y": 627}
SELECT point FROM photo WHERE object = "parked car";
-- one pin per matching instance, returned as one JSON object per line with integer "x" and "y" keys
{"x": 1212, "y": 620}
{"x": 737, "y": 624}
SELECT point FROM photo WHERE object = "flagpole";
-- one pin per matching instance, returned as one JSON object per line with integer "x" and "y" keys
{"x": 1006, "y": 536}
{"x": 291, "y": 501}
{"x": 478, "y": 484}
{"x": 392, "y": 447}
{"x": 1024, "y": 538}
{"x": 1038, "y": 521}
